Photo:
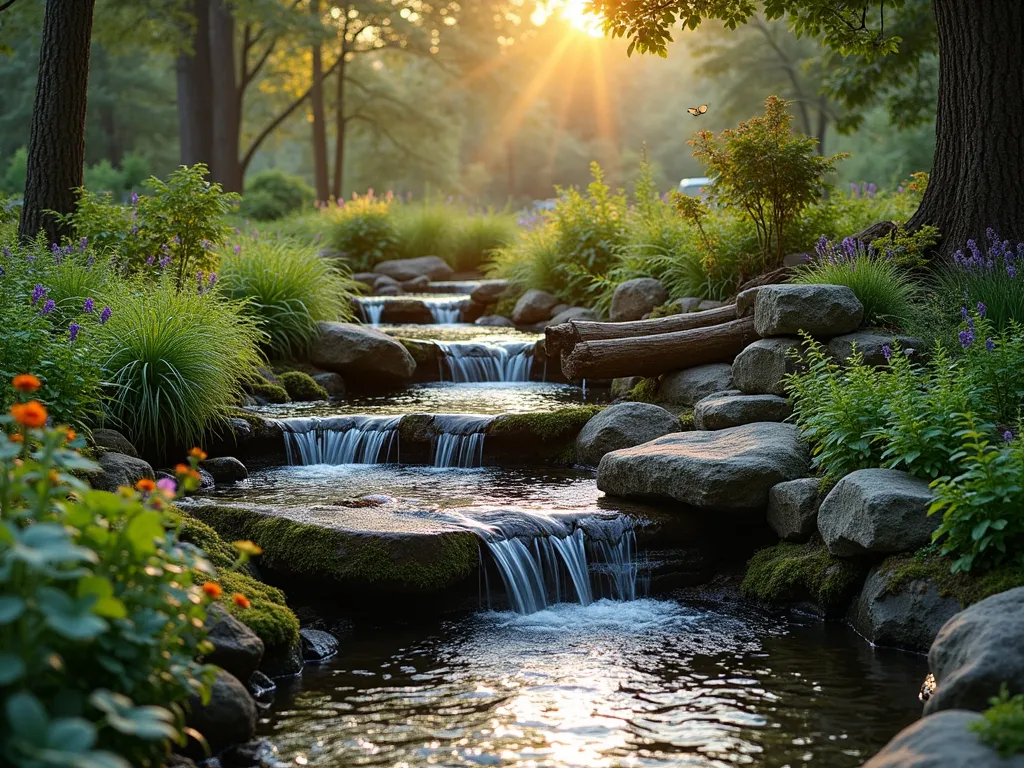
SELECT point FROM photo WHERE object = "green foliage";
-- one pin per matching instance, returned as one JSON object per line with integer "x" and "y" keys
{"x": 1002, "y": 726}
{"x": 286, "y": 288}
{"x": 479, "y": 236}
{"x": 301, "y": 387}
{"x": 273, "y": 194}
{"x": 768, "y": 172}
{"x": 967, "y": 588}
{"x": 424, "y": 230}
{"x": 363, "y": 230}
{"x": 100, "y": 619}
{"x": 13, "y": 179}
{"x": 272, "y": 393}
{"x": 176, "y": 363}
{"x": 788, "y": 573}
{"x": 989, "y": 277}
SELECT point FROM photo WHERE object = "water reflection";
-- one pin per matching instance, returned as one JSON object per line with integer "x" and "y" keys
{"x": 644, "y": 683}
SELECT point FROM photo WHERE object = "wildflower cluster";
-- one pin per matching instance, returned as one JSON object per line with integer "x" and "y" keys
{"x": 999, "y": 254}
{"x": 865, "y": 190}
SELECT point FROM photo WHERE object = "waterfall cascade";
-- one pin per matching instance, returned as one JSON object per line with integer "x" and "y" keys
{"x": 474, "y": 362}
{"x": 460, "y": 440}
{"x": 446, "y": 311}
{"x": 341, "y": 440}
{"x": 371, "y": 308}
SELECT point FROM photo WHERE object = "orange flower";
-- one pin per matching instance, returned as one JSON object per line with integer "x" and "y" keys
{"x": 69, "y": 435}
{"x": 198, "y": 454}
{"x": 26, "y": 382}
{"x": 31, "y": 414}
{"x": 182, "y": 469}
{"x": 212, "y": 589}
{"x": 145, "y": 485}
{"x": 240, "y": 600}
{"x": 54, "y": 478}
{"x": 16, "y": 438}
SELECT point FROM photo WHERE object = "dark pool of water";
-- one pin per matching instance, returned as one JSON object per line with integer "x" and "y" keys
{"x": 646, "y": 683}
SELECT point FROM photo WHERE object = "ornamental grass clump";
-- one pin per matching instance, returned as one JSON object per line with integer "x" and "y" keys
{"x": 993, "y": 277}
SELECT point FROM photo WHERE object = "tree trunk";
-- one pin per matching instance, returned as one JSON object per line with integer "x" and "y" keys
{"x": 319, "y": 118}
{"x": 225, "y": 167}
{"x": 56, "y": 144}
{"x": 977, "y": 178}
{"x": 195, "y": 101}
{"x": 339, "y": 140}
{"x": 654, "y": 355}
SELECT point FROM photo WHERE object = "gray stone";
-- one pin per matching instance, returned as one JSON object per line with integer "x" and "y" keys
{"x": 388, "y": 289}
{"x": 230, "y": 716}
{"x": 761, "y": 367}
{"x": 431, "y": 267}
{"x": 745, "y": 301}
{"x": 726, "y": 470}
{"x": 689, "y": 386}
{"x": 367, "y": 278}
{"x": 495, "y": 321}
{"x": 877, "y": 510}
{"x": 944, "y": 740}
{"x": 572, "y": 313}
{"x": 117, "y": 469}
{"x": 416, "y": 284}
{"x": 225, "y": 469}
{"x": 317, "y": 646}
{"x": 236, "y": 648}
{"x": 384, "y": 281}
{"x": 977, "y": 651}
{"x": 870, "y": 343}
{"x": 622, "y": 387}
{"x": 283, "y": 662}
{"x": 634, "y": 298}
{"x": 682, "y": 306}
{"x": 357, "y": 350}
{"x": 793, "y": 509}
{"x": 489, "y": 292}
{"x": 261, "y": 687}
{"x": 820, "y": 310}
{"x": 114, "y": 441}
{"x": 560, "y": 308}
{"x": 333, "y": 384}
{"x": 721, "y": 411}
{"x": 907, "y": 617}
{"x": 534, "y": 306}
{"x": 707, "y": 304}
{"x": 622, "y": 426}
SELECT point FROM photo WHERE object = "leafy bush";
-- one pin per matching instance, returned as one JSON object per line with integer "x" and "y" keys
{"x": 994, "y": 278}
{"x": 286, "y": 288}
{"x": 884, "y": 287}
{"x": 427, "y": 229}
{"x": 273, "y": 194}
{"x": 478, "y": 236}
{"x": 1003, "y": 725}
{"x": 364, "y": 231}
{"x": 176, "y": 364}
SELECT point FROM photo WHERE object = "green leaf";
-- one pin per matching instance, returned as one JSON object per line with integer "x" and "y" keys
{"x": 12, "y": 668}
{"x": 71, "y": 734}
{"x": 143, "y": 531}
{"x": 11, "y": 607}
{"x": 149, "y": 722}
{"x": 69, "y": 617}
{"x": 26, "y": 717}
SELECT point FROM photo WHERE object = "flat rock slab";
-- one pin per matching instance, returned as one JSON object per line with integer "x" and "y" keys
{"x": 725, "y": 411}
{"x": 941, "y": 741}
{"x": 432, "y": 267}
{"x": 822, "y": 311}
{"x": 725, "y": 470}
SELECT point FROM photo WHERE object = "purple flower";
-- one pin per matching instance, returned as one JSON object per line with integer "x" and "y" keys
{"x": 990, "y": 345}
{"x": 964, "y": 315}
{"x": 164, "y": 262}
{"x": 887, "y": 352}
{"x": 135, "y": 230}
{"x": 1008, "y": 436}
{"x": 37, "y": 293}
{"x": 7, "y": 252}
{"x": 1011, "y": 271}
{"x": 150, "y": 260}
{"x": 73, "y": 330}
{"x": 899, "y": 190}
{"x": 48, "y": 307}
{"x": 167, "y": 485}
{"x": 105, "y": 315}
{"x": 135, "y": 198}
{"x": 238, "y": 249}
{"x": 213, "y": 279}
{"x": 68, "y": 250}
{"x": 88, "y": 306}
{"x": 205, "y": 245}
{"x": 84, "y": 243}
{"x": 966, "y": 338}
{"x": 176, "y": 240}
{"x": 55, "y": 249}
{"x": 982, "y": 309}
{"x": 90, "y": 262}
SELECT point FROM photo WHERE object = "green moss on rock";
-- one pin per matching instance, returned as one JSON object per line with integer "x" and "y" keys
{"x": 645, "y": 392}
{"x": 968, "y": 588}
{"x": 423, "y": 352}
{"x": 301, "y": 387}
{"x": 686, "y": 420}
{"x": 272, "y": 393}
{"x": 561, "y": 424}
{"x": 793, "y": 573}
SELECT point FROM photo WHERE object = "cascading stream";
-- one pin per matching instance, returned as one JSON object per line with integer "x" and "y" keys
{"x": 372, "y": 309}
{"x": 460, "y": 441}
{"x": 341, "y": 440}
{"x": 476, "y": 362}
{"x": 445, "y": 311}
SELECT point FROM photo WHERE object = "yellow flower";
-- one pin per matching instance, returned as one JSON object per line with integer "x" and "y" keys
{"x": 248, "y": 548}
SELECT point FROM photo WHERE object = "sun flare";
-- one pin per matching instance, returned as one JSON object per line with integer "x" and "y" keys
{"x": 576, "y": 13}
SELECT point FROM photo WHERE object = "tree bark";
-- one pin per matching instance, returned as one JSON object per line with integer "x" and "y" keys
{"x": 316, "y": 94}
{"x": 225, "y": 167}
{"x": 662, "y": 353}
{"x": 56, "y": 145}
{"x": 195, "y": 100}
{"x": 977, "y": 178}
{"x": 339, "y": 140}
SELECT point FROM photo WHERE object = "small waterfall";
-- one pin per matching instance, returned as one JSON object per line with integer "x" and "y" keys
{"x": 372, "y": 309}
{"x": 341, "y": 440}
{"x": 473, "y": 362}
{"x": 446, "y": 311}
{"x": 460, "y": 441}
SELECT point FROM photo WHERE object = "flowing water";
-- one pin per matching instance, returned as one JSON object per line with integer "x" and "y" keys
{"x": 472, "y": 362}
{"x": 443, "y": 309}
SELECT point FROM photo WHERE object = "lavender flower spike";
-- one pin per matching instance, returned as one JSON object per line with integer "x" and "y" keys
{"x": 89, "y": 304}
{"x": 37, "y": 293}
{"x": 887, "y": 352}
{"x": 966, "y": 338}
{"x": 73, "y": 330}
{"x": 105, "y": 315}
{"x": 48, "y": 307}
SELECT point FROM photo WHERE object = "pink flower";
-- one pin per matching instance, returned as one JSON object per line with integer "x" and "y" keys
{"x": 167, "y": 485}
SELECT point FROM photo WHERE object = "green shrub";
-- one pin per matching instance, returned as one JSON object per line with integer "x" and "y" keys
{"x": 364, "y": 230}
{"x": 176, "y": 364}
{"x": 301, "y": 387}
{"x": 426, "y": 229}
{"x": 273, "y": 194}
{"x": 13, "y": 179}
{"x": 478, "y": 236}
{"x": 286, "y": 288}
{"x": 1002, "y": 726}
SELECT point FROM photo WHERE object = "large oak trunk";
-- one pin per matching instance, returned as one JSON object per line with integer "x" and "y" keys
{"x": 195, "y": 101}
{"x": 225, "y": 167}
{"x": 977, "y": 178}
{"x": 56, "y": 145}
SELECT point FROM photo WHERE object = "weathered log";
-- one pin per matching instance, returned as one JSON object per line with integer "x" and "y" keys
{"x": 660, "y": 353}
{"x": 560, "y": 339}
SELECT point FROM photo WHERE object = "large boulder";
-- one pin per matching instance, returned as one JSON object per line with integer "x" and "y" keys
{"x": 689, "y": 386}
{"x": 907, "y": 614}
{"x": 622, "y": 426}
{"x": 820, "y": 310}
{"x": 229, "y": 717}
{"x": 489, "y": 292}
{"x": 416, "y": 285}
{"x": 635, "y": 298}
{"x": 722, "y": 410}
{"x": 572, "y": 313}
{"x": 236, "y": 648}
{"x": 225, "y": 469}
{"x": 793, "y": 509}
{"x": 942, "y": 741}
{"x": 357, "y": 350}
{"x": 761, "y": 367}
{"x": 117, "y": 469}
{"x": 871, "y": 345}
{"x": 534, "y": 306}
{"x": 432, "y": 267}
{"x": 113, "y": 441}
{"x": 977, "y": 651}
{"x": 877, "y": 511}
{"x": 726, "y": 470}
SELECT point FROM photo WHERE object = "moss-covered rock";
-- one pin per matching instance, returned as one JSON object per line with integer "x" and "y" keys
{"x": 537, "y": 437}
{"x": 301, "y": 387}
{"x": 686, "y": 420}
{"x": 928, "y": 565}
{"x": 270, "y": 393}
{"x": 645, "y": 392}
{"x": 797, "y": 573}
{"x": 427, "y": 357}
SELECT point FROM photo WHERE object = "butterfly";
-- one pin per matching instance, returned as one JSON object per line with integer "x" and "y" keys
{"x": 697, "y": 110}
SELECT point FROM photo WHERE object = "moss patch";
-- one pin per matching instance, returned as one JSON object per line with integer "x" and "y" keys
{"x": 564, "y": 423}
{"x": 968, "y": 588}
{"x": 789, "y": 573}
{"x": 645, "y": 392}
{"x": 686, "y": 421}
{"x": 301, "y": 387}
{"x": 272, "y": 393}
{"x": 422, "y": 352}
